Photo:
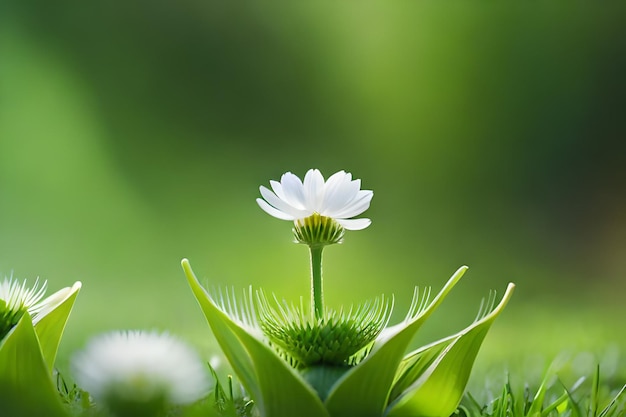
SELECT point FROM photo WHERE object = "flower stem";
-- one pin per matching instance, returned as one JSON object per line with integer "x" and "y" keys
{"x": 317, "y": 296}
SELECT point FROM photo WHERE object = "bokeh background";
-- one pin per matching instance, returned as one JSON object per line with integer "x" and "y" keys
{"x": 133, "y": 134}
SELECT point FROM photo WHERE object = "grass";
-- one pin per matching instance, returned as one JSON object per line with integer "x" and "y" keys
{"x": 588, "y": 396}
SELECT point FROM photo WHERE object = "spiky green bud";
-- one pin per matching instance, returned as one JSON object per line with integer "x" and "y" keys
{"x": 338, "y": 338}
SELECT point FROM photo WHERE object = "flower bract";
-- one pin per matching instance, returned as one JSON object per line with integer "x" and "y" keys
{"x": 16, "y": 299}
{"x": 339, "y": 198}
{"x": 140, "y": 373}
{"x": 29, "y": 346}
{"x": 428, "y": 382}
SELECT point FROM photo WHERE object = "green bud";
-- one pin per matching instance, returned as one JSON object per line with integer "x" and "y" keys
{"x": 318, "y": 230}
{"x": 338, "y": 338}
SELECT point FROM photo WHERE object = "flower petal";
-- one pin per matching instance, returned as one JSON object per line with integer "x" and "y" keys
{"x": 314, "y": 190}
{"x": 340, "y": 197}
{"x": 279, "y": 204}
{"x": 354, "y": 224}
{"x": 356, "y": 206}
{"x": 293, "y": 190}
{"x": 339, "y": 191}
{"x": 273, "y": 211}
{"x": 278, "y": 189}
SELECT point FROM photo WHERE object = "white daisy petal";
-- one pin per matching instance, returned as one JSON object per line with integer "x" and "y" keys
{"x": 339, "y": 195}
{"x": 354, "y": 224}
{"x": 278, "y": 189}
{"x": 356, "y": 206}
{"x": 339, "y": 198}
{"x": 280, "y": 193}
{"x": 293, "y": 190}
{"x": 314, "y": 189}
{"x": 279, "y": 204}
{"x": 273, "y": 211}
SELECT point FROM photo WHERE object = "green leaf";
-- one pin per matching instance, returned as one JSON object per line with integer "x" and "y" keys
{"x": 276, "y": 388}
{"x": 440, "y": 387}
{"x": 364, "y": 390}
{"x": 50, "y": 327}
{"x": 26, "y": 387}
{"x": 416, "y": 363}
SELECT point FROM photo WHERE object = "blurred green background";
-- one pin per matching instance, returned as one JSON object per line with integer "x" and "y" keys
{"x": 133, "y": 134}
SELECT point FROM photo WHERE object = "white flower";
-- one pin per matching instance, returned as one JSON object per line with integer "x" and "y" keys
{"x": 16, "y": 299}
{"x": 140, "y": 367}
{"x": 339, "y": 198}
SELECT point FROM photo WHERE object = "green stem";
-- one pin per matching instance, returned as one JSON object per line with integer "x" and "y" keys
{"x": 317, "y": 296}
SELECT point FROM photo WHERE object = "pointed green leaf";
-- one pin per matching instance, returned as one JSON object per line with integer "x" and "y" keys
{"x": 364, "y": 390}
{"x": 439, "y": 389}
{"x": 276, "y": 388}
{"x": 50, "y": 327}
{"x": 415, "y": 364}
{"x": 26, "y": 387}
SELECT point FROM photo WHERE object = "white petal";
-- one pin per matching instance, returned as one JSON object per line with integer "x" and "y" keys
{"x": 339, "y": 194}
{"x": 278, "y": 189}
{"x": 279, "y": 204}
{"x": 356, "y": 206}
{"x": 293, "y": 190}
{"x": 354, "y": 224}
{"x": 314, "y": 190}
{"x": 273, "y": 211}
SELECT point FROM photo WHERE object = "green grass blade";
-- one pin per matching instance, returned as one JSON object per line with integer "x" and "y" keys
{"x": 439, "y": 389}
{"x": 364, "y": 390}
{"x": 26, "y": 387}
{"x": 573, "y": 406}
{"x": 563, "y": 401}
{"x": 613, "y": 403}
{"x": 276, "y": 388}
{"x": 595, "y": 393}
{"x": 50, "y": 327}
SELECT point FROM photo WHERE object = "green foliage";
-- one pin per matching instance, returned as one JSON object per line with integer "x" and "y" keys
{"x": 586, "y": 397}
{"x": 224, "y": 400}
{"x": 438, "y": 379}
{"x": 430, "y": 387}
{"x": 365, "y": 389}
{"x": 8, "y": 317}
{"x": 51, "y": 326}
{"x": 27, "y": 354}
{"x": 551, "y": 399}
{"x": 26, "y": 387}
{"x": 276, "y": 387}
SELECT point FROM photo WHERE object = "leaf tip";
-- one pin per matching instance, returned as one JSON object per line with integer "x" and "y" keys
{"x": 187, "y": 267}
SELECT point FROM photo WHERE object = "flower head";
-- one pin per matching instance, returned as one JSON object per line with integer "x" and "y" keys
{"x": 16, "y": 299}
{"x": 135, "y": 372}
{"x": 339, "y": 198}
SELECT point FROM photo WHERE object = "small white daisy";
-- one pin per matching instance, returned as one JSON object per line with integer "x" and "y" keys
{"x": 138, "y": 367}
{"x": 16, "y": 299}
{"x": 339, "y": 198}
